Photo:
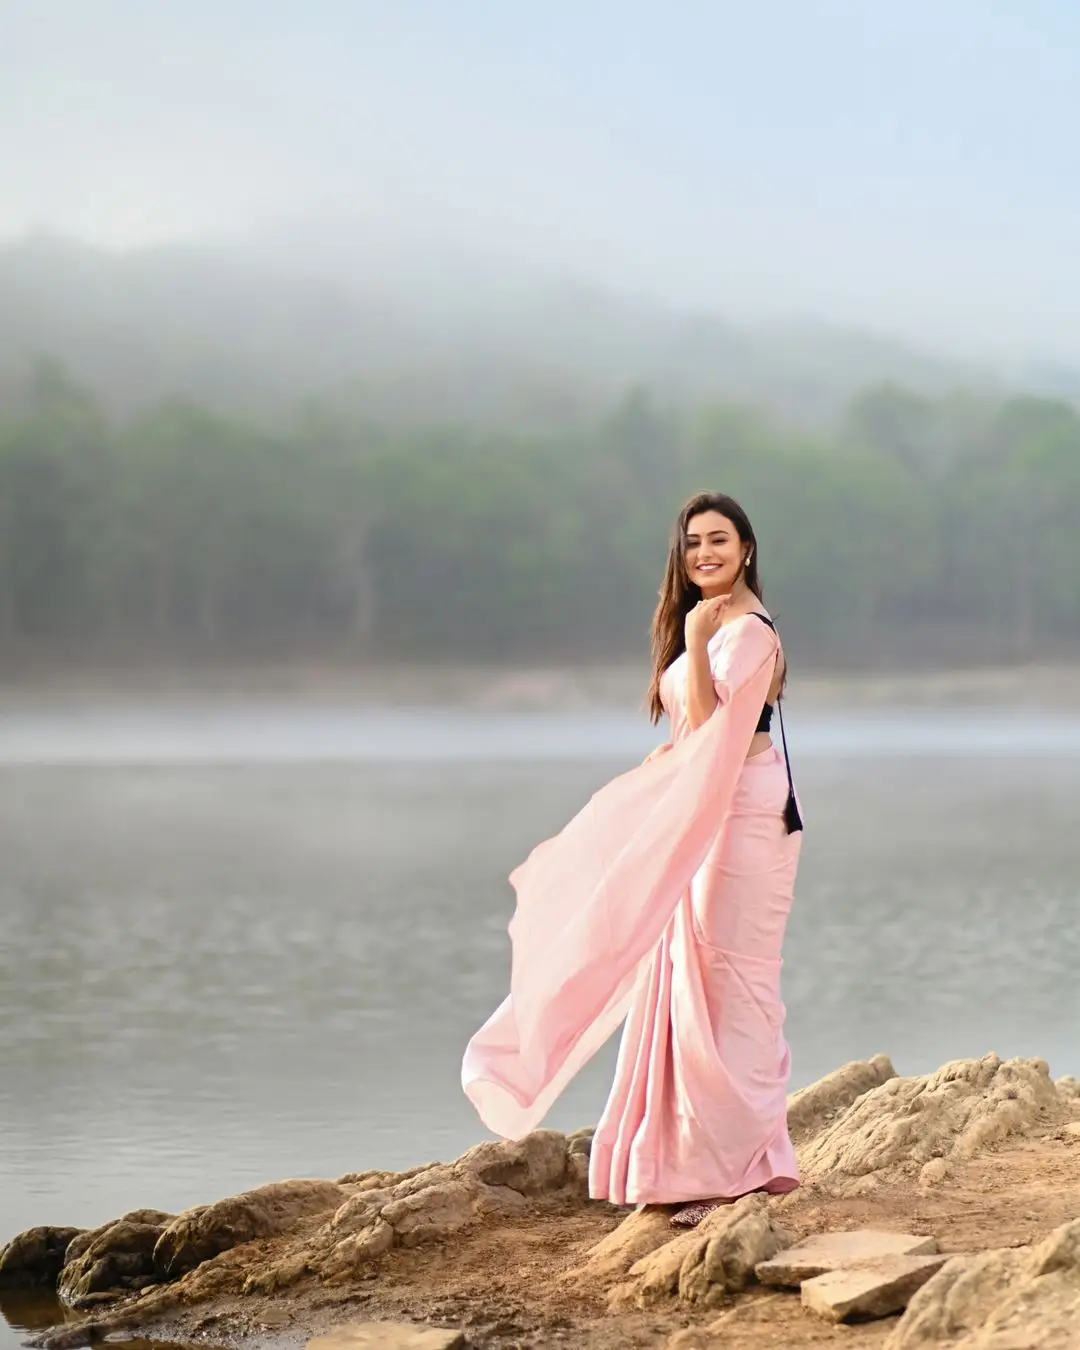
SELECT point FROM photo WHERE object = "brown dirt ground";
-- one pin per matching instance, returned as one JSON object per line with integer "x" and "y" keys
{"x": 501, "y": 1281}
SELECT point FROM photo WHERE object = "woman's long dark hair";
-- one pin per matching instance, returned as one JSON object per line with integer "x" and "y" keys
{"x": 679, "y": 595}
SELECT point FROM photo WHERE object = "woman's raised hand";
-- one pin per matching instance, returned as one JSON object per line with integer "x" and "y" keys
{"x": 704, "y": 620}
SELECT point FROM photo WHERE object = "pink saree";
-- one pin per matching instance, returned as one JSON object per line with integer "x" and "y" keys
{"x": 663, "y": 902}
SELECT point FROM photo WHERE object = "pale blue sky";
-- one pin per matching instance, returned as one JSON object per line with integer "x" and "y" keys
{"x": 907, "y": 166}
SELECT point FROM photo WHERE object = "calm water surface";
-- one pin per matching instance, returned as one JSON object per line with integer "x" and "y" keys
{"x": 242, "y": 944}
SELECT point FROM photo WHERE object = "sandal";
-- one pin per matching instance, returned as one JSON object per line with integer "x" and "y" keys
{"x": 689, "y": 1216}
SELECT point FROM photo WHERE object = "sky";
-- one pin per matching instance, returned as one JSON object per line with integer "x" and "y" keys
{"x": 905, "y": 167}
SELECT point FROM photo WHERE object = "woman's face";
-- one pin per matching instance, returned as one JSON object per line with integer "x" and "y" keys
{"x": 714, "y": 553}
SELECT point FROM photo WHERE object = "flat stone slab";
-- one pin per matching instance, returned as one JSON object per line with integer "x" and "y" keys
{"x": 388, "y": 1336}
{"x": 823, "y": 1252}
{"x": 874, "y": 1289}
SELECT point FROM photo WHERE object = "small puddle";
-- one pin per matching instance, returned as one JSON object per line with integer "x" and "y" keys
{"x": 24, "y": 1314}
{"x": 27, "y": 1312}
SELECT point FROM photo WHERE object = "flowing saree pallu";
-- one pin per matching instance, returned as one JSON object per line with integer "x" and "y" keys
{"x": 593, "y": 903}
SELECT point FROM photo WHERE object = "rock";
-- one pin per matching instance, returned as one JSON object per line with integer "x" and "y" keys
{"x": 655, "y": 1277}
{"x": 280, "y": 1275}
{"x": 1000, "y": 1300}
{"x": 824, "y": 1252}
{"x": 577, "y": 1173}
{"x": 443, "y": 1207}
{"x": 959, "y": 1298}
{"x": 156, "y": 1218}
{"x": 373, "y": 1241}
{"x": 361, "y": 1210}
{"x": 874, "y": 1289}
{"x": 1046, "y": 1317}
{"x": 1069, "y": 1088}
{"x": 740, "y": 1237}
{"x": 1059, "y": 1251}
{"x": 122, "y": 1252}
{"x": 65, "y": 1338}
{"x": 530, "y": 1165}
{"x": 716, "y": 1258}
{"x": 578, "y": 1150}
{"x": 638, "y": 1234}
{"x": 201, "y": 1234}
{"x": 429, "y": 1202}
{"x": 896, "y": 1129}
{"x": 374, "y": 1179}
{"x": 275, "y": 1317}
{"x": 388, "y": 1336}
{"x": 813, "y": 1107}
{"x": 934, "y": 1173}
{"x": 34, "y": 1258}
{"x": 580, "y": 1141}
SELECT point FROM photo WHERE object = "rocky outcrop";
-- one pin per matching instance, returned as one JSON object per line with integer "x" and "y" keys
{"x": 34, "y": 1259}
{"x": 860, "y": 1131}
{"x": 203, "y": 1233}
{"x": 921, "y": 1126}
{"x": 154, "y": 1217}
{"x": 578, "y": 1149}
{"x": 531, "y": 1165}
{"x": 998, "y": 1300}
{"x": 702, "y": 1266}
{"x": 119, "y": 1258}
{"x": 333, "y": 1230}
{"x": 824, "y": 1252}
{"x": 813, "y": 1108}
{"x": 428, "y": 1202}
{"x": 873, "y": 1289}
{"x": 642, "y": 1232}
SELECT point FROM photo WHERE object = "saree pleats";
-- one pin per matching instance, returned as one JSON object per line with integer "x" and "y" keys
{"x": 663, "y": 903}
{"x": 699, "y": 1103}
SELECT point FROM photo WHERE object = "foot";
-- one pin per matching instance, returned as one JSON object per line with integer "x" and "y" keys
{"x": 689, "y": 1216}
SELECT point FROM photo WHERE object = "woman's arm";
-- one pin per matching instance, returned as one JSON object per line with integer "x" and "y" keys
{"x": 703, "y": 623}
{"x": 713, "y": 676}
{"x": 701, "y": 696}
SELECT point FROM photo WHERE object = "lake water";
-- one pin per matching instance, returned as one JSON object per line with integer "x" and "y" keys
{"x": 245, "y": 943}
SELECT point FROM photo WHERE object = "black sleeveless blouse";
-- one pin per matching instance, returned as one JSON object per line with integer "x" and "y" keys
{"x": 792, "y": 815}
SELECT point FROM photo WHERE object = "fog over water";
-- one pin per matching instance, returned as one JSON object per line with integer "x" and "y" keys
{"x": 857, "y": 164}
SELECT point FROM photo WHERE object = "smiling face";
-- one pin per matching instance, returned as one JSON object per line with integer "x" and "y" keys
{"x": 715, "y": 555}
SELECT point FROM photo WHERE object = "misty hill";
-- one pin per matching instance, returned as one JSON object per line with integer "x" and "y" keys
{"x": 403, "y": 334}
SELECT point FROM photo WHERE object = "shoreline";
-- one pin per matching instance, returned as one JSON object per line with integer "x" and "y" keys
{"x": 1032, "y": 687}
{"x": 979, "y": 1162}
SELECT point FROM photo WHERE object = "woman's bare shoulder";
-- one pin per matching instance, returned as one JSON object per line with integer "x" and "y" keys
{"x": 758, "y": 611}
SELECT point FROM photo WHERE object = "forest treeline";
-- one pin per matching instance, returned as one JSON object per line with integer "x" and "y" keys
{"x": 406, "y": 335}
{"x": 924, "y": 529}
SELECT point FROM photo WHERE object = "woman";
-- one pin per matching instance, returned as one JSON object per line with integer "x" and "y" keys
{"x": 664, "y": 902}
